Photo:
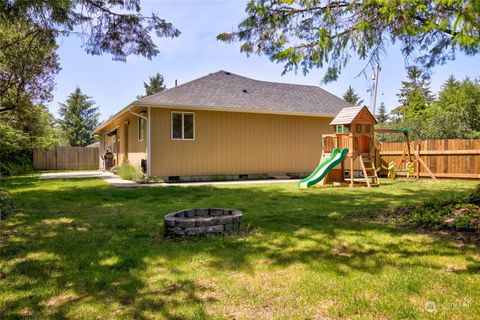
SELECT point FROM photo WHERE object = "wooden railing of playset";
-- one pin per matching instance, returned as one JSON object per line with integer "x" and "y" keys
{"x": 340, "y": 141}
{"x": 455, "y": 158}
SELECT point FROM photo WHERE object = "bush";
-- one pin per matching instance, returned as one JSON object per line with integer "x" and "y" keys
{"x": 127, "y": 171}
{"x": 16, "y": 164}
{"x": 462, "y": 214}
{"x": 6, "y": 206}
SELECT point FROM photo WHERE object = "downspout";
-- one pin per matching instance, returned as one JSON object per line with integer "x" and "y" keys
{"x": 149, "y": 146}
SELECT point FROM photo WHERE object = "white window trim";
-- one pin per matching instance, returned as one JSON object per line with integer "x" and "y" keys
{"x": 138, "y": 129}
{"x": 183, "y": 127}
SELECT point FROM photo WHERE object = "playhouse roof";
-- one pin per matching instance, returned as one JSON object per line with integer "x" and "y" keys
{"x": 354, "y": 114}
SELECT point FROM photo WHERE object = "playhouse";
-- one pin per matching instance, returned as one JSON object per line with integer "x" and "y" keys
{"x": 347, "y": 155}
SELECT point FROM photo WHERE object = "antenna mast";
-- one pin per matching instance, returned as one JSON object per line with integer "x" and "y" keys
{"x": 373, "y": 97}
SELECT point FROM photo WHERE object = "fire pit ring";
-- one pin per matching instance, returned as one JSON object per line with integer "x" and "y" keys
{"x": 192, "y": 222}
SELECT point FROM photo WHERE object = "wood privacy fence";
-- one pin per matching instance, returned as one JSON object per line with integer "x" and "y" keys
{"x": 445, "y": 158}
{"x": 66, "y": 158}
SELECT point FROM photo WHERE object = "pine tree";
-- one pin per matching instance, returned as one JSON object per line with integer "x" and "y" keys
{"x": 79, "y": 116}
{"x": 415, "y": 96}
{"x": 351, "y": 97}
{"x": 382, "y": 116}
{"x": 307, "y": 35}
{"x": 156, "y": 84}
{"x": 416, "y": 80}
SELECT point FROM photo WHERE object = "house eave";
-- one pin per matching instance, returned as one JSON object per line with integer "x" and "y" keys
{"x": 231, "y": 109}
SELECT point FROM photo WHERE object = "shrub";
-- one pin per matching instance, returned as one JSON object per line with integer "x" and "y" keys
{"x": 463, "y": 223}
{"x": 151, "y": 180}
{"x": 6, "y": 206}
{"x": 16, "y": 164}
{"x": 462, "y": 214}
{"x": 127, "y": 171}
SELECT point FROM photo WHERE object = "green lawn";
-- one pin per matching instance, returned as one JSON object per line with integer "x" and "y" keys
{"x": 80, "y": 249}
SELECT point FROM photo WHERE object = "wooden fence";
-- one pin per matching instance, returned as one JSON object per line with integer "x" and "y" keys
{"x": 66, "y": 158}
{"x": 445, "y": 158}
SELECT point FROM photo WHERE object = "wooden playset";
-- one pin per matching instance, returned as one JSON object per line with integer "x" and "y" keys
{"x": 348, "y": 154}
{"x": 354, "y": 129}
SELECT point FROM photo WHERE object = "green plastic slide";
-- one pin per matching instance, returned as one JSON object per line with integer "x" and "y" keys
{"x": 318, "y": 174}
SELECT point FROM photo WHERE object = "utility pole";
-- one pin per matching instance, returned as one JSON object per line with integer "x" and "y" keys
{"x": 373, "y": 96}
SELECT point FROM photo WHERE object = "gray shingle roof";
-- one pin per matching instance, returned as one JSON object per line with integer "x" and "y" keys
{"x": 225, "y": 90}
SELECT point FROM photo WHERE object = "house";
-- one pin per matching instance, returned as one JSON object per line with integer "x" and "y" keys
{"x": 223, "y": 124}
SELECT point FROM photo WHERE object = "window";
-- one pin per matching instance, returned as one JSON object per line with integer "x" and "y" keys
{"x": 183, "y": 126}
{"x": 359, "y": 128}
{"x": 141, "y": 128}
{"x": 342, "y": 129}
{"x": 367, "y": 128}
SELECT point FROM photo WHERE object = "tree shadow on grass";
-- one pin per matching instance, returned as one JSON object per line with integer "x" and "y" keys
{"x": 86, "y": 244}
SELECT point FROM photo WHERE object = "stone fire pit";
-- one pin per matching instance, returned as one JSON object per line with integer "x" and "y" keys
{"x": 192, "y": 222}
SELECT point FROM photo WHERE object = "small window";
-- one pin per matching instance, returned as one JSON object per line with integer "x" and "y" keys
{"x": 141, "y": 129}
{"x": 359, "y": 128}
{"x": 183, "y": 126}
{"x": 367, "y": 128}
{"x": 342, "y": 129}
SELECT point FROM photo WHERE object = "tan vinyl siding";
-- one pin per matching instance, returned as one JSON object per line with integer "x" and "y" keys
{"x": 136, "y": 149}
{"x": 131, "y": 148}
{"x": 228, "y": 143}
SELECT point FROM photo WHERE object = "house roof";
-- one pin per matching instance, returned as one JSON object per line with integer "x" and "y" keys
{"x": 225, "y": 91}
{"x": 349, "y": 115}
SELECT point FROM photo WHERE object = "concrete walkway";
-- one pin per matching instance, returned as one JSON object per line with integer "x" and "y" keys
{"x": 117, "y": 182}
{"x": 75, "y": 175}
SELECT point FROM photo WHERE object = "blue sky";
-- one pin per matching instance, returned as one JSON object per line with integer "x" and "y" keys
{"x": 114, "y": 84}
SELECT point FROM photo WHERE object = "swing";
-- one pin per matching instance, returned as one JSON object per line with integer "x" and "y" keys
{"x": 411, "y": 168}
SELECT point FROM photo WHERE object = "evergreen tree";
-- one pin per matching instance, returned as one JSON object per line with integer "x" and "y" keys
{"x": 382, "y": 116}
{"x": 415, "y": 96}
{"x": 416, "y": 80}
{"x": 326, "y": 34}
{"x": 351, "y": 97}
{"x": 79, "y": 117}
{"x": 117, "y": 27}
{"x": 156, "y": 84}
{"x": 456, "y": 113}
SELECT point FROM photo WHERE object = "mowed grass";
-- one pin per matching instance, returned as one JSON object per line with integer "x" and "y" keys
{"x": 80, "y": 249}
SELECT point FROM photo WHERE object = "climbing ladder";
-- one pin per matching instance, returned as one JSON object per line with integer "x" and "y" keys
{"x": 369, "y": 171}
